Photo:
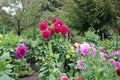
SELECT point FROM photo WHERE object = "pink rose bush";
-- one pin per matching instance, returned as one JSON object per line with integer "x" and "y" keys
{"x": 58, "y": 27}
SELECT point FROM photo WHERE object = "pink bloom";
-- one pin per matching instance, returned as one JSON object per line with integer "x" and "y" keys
{"x": 79, "y": 78}
{"x": 84, "y": 49}
{"x": 43, "y": 25}
{"x": 21, "y": 51}
{"x": 57, "y": 29}
{"x": 101, "y": 49}
{"x": 54, "y": 19}
{"x": 94, "y": 51}
{"x": 105, "y": 56}
{"x": 80, "y": 64}
{"x": 58, "y": 23}
{"x": 57, "y": 26}
{"x": 64, "y": 78}
{"x": 114, "y": 53}
{"x": 118, "y": 52}
{"x": 116, "y": 64}
{"x": 46, "y": 34}
{"x": 64, "y": 29}
{"x": 112, "y": 61}
{"x": 118, "y": 71}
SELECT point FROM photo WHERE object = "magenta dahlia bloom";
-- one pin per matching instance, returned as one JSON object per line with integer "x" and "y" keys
{"x": 118, "y": 71}
{"x": 102, "y": 49}
{"x": 46, "y": 34}
{"x": 57, "y": 26}
{"x": 64, "y": 78}
{"x": 57, "y": 29}
{"x": 116, "y": 64}
{"x": 21, "y": 51}
{"x": 84, "y": 49}
{"x": 54, "y": 19}
{"x": 105, "y": 56}
{"x": 43, "y": 25}
{"x": 79, "y": 78}
{"x": 64, "y": 29}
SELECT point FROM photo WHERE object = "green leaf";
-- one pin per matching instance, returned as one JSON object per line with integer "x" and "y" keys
{"x": 6, "y": 77}
{"x": 9, "y": 66}
{"x": 4, "y": 56}
{"x": 51, "y": 77}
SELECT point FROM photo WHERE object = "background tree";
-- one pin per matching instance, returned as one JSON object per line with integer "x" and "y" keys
{"x": 99, "y": 14}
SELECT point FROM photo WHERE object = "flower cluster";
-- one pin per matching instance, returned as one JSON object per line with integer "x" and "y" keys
{"x": 58, "y": 27}
{"x": 66, "y": 78}
{"x": 114, "y": 62}
{"x": 80, "y": 64}
{"x": 21, "y": 50}
{"x": 86, "y": 48}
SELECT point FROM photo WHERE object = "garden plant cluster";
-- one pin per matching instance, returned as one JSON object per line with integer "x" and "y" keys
{"x": 57, "y": 57}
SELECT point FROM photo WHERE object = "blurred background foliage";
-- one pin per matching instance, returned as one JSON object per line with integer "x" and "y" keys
{"x": 23, "y": 16}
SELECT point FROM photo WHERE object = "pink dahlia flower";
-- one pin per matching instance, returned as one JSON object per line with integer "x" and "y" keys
{"x": 46, "y": 34}
{"x": 105, "y": 56}
{"x": 43, "y": 25}
{"x": 118, "y": 71}
{"x": 102, "y": 49}
{"x": 116, "y": 64}
{"x": 64, "y": 29}
{"x": 21, "y": 51}
{"x": 54, "y": 19}
{"x": 84, "y": 49}
{"x": 80, "y": 64}
{"x": 94, "y": 51}
{"x": 57, "y": 26}
{"x": 64, "y": 78}
{"x": 79, "y": 78}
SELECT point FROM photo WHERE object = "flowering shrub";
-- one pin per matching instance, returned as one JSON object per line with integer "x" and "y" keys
{"x": 54, "y": 49}
{"x": 19, "y": 67}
